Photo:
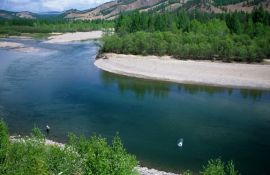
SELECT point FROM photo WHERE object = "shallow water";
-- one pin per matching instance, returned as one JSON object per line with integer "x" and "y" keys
{"x": 60, "y": 86}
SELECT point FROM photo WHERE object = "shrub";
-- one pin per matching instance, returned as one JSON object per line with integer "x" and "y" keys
{"x": 4, "y": 144}
{"x": 217, "y": 167}
{"x": 214, "y": 167}
{"x": 101, "y": 158}
{"x": 31, "y": 156}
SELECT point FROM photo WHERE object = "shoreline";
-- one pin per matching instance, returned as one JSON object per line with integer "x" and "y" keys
{"x": 60, "y": 37}
{"x": 76, "y": 36}
{"x": 54, "y": 38}
{"x": 141, "y": 170}
{"x": 17, "y": 46}
{"x": 165, "y": 68}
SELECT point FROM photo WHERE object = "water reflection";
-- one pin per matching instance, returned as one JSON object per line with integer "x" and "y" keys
{"x": 253, "y": 94}
{"x": 141, "y": 87}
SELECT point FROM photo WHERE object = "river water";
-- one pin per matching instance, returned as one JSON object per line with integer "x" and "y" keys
{"x": 60, "y": 86}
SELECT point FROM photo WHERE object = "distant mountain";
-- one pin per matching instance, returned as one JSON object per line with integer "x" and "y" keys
{"x": 112, "y": 9}
{"x": 12, "y": 15}
{"x": 29, "y": 15}
{"x": 53, "y": 13}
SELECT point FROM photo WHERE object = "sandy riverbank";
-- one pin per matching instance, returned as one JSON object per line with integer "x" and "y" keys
{"x": 165, "y": 68}
{"x": 77, "y": 36}
{"x": 13, "y": 45}
{"x": 54, "y": 38}
{"x": 17, "y": 46}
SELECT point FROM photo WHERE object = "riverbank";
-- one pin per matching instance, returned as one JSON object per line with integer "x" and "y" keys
{"x": 53, "y": 38}
{"x": 77, "y": 36}
{"x": 141, "y": 170}
{"x": 254, "y": 76}
{"x": 18, "y": 46}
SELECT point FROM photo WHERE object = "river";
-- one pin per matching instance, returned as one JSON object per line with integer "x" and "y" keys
{"x": 60, "y": 86}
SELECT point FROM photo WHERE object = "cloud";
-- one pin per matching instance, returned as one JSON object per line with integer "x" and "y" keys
{"x": 48, "y": 5}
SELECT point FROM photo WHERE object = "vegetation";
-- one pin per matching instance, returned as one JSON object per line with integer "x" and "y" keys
{"x": 227, "y": 2}
{"x": 80, "y": 156}
{"x": 49, "y": 25}
{"x": 92, "y": 156}
{"x": 196, "y": 35}
{"x": 217, "y": 167}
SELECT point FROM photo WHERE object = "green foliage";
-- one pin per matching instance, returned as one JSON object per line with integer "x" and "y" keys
{"x": 231, "y": 168}
{"x": 31, "y": 156}
{"x": 237, "y": 22}
{"x": 18, "y": 26}
{"x": 200, "y": 44}
{"x": 101, "y": 158}
{"x": 196, "y": 35}
{"x": 64, "y": 160}
{"x": 187, "y": 172}
{"x": 226, "y": 2}
{"x": 214, "y": 167}
{"x": 28, "y": 157}
{"x": 4, "y": 144}
{"x": 36, "y": 133}
{"x": 217, "y": 167}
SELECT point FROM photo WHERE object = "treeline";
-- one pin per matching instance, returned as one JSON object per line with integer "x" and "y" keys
{"x": 237, "y": 22}
{"x": 80, "y": 156}
{"x": 17, "y": 26}
{"x": 193, "y": 35}
{"x": 228, "y": 2}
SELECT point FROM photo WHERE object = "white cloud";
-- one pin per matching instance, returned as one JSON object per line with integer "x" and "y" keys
{"x": 48, "y": 5}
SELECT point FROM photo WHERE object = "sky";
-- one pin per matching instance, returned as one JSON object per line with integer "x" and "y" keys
{"x": 48, "y": 5}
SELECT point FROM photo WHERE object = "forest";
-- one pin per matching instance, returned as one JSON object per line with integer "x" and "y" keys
{"x": 228, "y": 37}
{"x": 49, "y": 25}
{"x": 228, "y": 2}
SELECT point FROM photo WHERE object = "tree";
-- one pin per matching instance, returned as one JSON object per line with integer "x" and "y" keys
{"x": 4, "y": 144}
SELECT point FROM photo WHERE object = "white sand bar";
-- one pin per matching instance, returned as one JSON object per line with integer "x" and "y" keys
{"x": 77, "y": 36}
{"x": 255, "y": 76}
{"x": 11, "y": 45}
{"x": 17, "y": 47}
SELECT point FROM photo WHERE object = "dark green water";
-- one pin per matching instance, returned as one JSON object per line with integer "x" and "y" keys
{"x": 61, "y": 87}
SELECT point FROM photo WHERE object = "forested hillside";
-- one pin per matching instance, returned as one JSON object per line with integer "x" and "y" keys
{"x": 193, "y": 35}
{"x": 227, "y": 2}
{"x": 111, "y": 10}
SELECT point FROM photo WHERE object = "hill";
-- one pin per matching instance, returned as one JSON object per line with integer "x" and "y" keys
{"x": 112, "y": 9}
{"x": 13, "y": 15}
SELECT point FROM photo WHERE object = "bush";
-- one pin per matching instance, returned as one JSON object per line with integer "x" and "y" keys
{"x": 101, "y": 158}
{"x": 31, "y": 156}
{"x": 190, "y": 45}
{"x": 4, "y": 144}
{"x": 214, "y": 167}
{"x": 217, "y": 167}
